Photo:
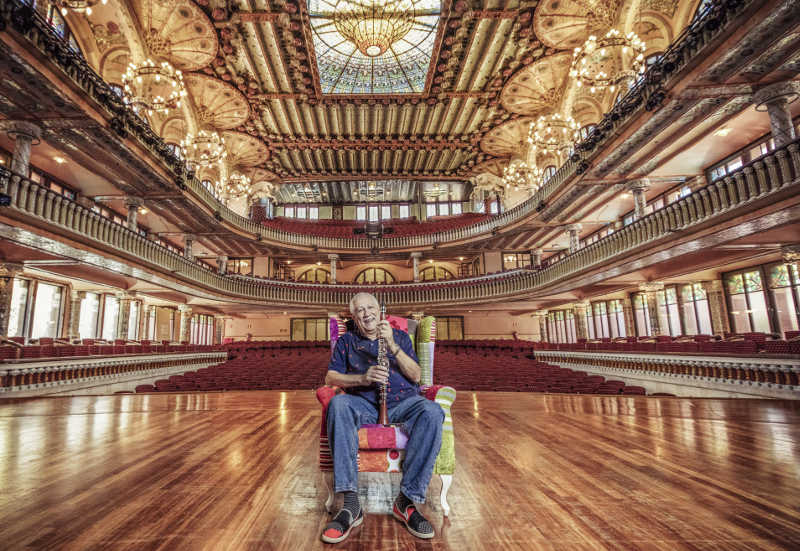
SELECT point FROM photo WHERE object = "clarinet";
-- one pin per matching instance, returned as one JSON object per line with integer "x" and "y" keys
{"x": 383, "y": 361}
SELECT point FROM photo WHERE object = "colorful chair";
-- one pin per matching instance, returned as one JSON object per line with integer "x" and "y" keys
{"x": 381, "y": 449}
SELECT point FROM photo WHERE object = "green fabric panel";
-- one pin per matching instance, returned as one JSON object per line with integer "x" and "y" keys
{"x": 446, "y": 461}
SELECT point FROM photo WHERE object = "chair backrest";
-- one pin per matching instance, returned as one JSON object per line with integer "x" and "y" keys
{"x": 423, "y": 338}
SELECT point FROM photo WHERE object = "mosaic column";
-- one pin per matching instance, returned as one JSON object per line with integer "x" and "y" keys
{"x": 415, "y": 260}
{"x": 580, "y": 320}
{"x": 124, "y": 315}
{"x": 219, "y": 329}
{"x": 133, "y": 204}
{"x": 638, "y": 188}
{"x": 574, "y": 237}
{"x": 75, "y": 314}
{"x": 151, "y": 311}
{"x": 333, "y": 258}
{"x": 25, "y": 134}
{"x": 650, "y": 288}
{"x": 186, "y": 322}
{"x": 8, "y": 271}
{"x": 536, "y": 257}
{"x": 187, "y": 246}
{"x": 541, "y": 316}
{"x": 716, "y": 306}
{"x": 627, "y": 312}
{"x": 775, "y": 99}
{"x": 222, "y": 264}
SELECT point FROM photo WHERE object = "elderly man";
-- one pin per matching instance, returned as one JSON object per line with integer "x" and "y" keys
{"x": 353, "y": 367}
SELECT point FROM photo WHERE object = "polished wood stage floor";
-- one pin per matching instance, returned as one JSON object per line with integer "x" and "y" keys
{"x": 237, "y": 470}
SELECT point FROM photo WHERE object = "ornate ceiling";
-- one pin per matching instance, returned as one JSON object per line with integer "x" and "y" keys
{"x": 301, "y": 103}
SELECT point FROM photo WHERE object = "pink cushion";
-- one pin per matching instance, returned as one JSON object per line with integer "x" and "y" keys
{"x": 378, "y": 437}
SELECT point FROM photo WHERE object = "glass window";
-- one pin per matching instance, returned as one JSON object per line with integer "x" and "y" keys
{"x": 133, "y": 321}
{"x": 641, "y": 315}
{"x": 479, "y": 206}
{"x": 549, "y": 172}
{"x": 309, "y": 329}
{"x": 90, "y": 313}
{"x": 110, "y": 317}
{"x": 315, "y": 275}
{"x": 374, "y": 275}
{"x": 784, "y": 286}
{"x": 512, "y": 261}
{"x": 313, "y": 213}
{"x": 404, "y": 212}
{"x": 361, "y": 213}
{"x": 288, "y": 212}
{"x": 301, "y": 212}
{"x": 494, "y": 207}
{"x": 46, "y": 311}
{"x": 456, "y": 208}
{"x": 435, "y": 273}
{"x": 386, "y": 212}
{"x": 444, "y": 209}
{"x": 668, "y": 313}
{"x": 696, "y": 314}
{"x": 373, "y": 213}
{"x": 430, "y": 209}
{"x": 449, "y": 328}
{"x": 747, "y": 302}
{"x": 19, "y": 307}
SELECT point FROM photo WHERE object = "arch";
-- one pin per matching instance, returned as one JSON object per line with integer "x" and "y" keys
{"x": 113, "y": 63}
{"x": 374, "y": 274}
{"x": 435, "y": 273}
{"x": 315, "y": 275}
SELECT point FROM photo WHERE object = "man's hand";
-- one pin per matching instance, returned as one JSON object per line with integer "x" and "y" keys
{"x": 385, "y": 331}
{"x": 376, "y": 374}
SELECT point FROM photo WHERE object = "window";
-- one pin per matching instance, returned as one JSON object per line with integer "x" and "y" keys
{"x": 309, "y": 329}
{"x": 201, "y": 329}
{"x": 110, "y": 317}
{"x": 430, "y": 209}
{"x": 301, "y": 212}
{"x": 586, "y": 130}
{"x": 288, "y": 212}
{"x": 435, "y": 273}
{"x": 444, "y": 209}
{"x": 548, "y": 173}
{"x": 361, "y": 213}
{"x": 747, "y": 301}
{"x": 783, "y": 281}
{"x": 561, "y": 326}
{"x": 479, "y": 206}
{"x": 450, "y": 328}
{"x": 242, "y": 266}
{"x": 696, "y": 315}
{"x": 641, "y": 315}
{"x": 494, "y": 207}
{"x": 151, "y": 324}
{"x": 668, "y": 313}
{"x": 47, "y": 311}
{"x": 19, "y": 307}
{"x": 315, "y": 275}
{"x": 456, "y": 208}
{"x": 652, "y": 59}
{"x": 386, "y": 212}
{"x": 373, "y": 213}
{"x": 512, "y": 261}
{"x": 374, "y": 275}
{"x": 133, "y": 321}
{"x": 313, "y": 213}
{"x": 404, "y": 211}
{"x": 89, "y": 316}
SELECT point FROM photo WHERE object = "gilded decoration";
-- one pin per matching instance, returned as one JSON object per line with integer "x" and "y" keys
{"x": 565, "y": 24}
{"x": 244, "y": 150}
{"x": 217, "y": 103}
{"x": 537, "y": 87}
{"x": 507, "y": 139}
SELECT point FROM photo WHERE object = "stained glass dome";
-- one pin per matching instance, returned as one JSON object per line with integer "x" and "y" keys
{"x": 400, "y": 69}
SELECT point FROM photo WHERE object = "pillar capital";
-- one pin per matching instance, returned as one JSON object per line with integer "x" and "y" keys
{"x": 22, "y": 129}
{"x": 651, "y": 286}
{"x": 778, "y": 92}
{"x": 641, "y": 184}
{"x": 790, "y": 253}
{"x": 584, "y": 305}
{"x": 333, "y": 256}
{"x": 416, "y": 254}
{"x": 185, "y": 309}
{"x": 77, "y": 295}
{"x": 574, "y": 227}
{"x": 132, "y": 202}
{"x": 10, "y": 269}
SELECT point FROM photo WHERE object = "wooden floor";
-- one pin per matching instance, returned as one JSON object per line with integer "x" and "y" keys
{"x": 237, "y": 470}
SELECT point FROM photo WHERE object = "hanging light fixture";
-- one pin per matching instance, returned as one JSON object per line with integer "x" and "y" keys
{"x": 205, "y": 149}
{"x": 373, "y": 26}
{"x": 601, "y": 62}
{"x": 553, "y": 134}
{"x": 78, "y": 6}
{"x": 153, "y": 87}
{"x": 520, "y": 175}
{"x": 239, "y": 185}
{"x": 436, "y": 190}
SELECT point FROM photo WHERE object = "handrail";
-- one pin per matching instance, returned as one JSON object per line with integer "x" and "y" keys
{"x": 647, "y": 93}
{"x": 764, "y": 177}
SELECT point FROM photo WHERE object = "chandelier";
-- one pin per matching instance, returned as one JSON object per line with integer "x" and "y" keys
{"x": 436, "y": 190}
{"x": 600, "y": 62}
{"x": 553, "y": 134}
{"x": 79, "y": 6}
{"x": 522, "y": 176}
{"x": 239, "y": 185}
{"x": 373, "y": 25}
{"x": 205, "y": 149}
{"x": 154, "y": 87}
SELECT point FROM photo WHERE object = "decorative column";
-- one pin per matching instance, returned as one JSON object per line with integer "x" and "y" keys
{"x": 580, "y": 320}
{"x": 627, "y": 312}
{"x": 541, "y": 316}
{"x": 219, "y": 329}
{"x": 650, "y": 288}
{"x": 333, "y": 258}
{"x": 775, "y": 100}
{"x": 186, "y": 322}
{"x": 25, "y": 134}
{"x": 151, "y": 312}
{"x": 720, "y": 324}
{"x": 8, "y": 271}
{"x": 188, "y": 240}
{"x": 124, "y": 315}
{"x": 574, "y": 237}
{"x": 133, "y": 204}
{"x": 638, "y": 188}
{"x": 536, "y": 257}
{"x": 415, "y": 260}
{"x": 75, "y": 314}
{"x": 222, "y": 264}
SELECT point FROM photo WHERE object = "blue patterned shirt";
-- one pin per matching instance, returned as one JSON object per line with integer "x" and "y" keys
{"x": 354, "y": 354}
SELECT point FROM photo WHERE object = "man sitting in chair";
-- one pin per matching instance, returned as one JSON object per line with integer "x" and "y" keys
{"x": 352, "y": 367}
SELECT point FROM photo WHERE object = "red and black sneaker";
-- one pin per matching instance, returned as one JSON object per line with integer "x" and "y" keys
{"x": 414, "y": 521}
{"x": 339, "y": 528}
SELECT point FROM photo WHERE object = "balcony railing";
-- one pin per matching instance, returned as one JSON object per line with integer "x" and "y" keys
{"x": 774, "y": 174}
{"x": 647, "y": 93}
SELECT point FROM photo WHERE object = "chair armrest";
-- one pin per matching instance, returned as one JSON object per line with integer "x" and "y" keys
{"x": 326, "y": 393}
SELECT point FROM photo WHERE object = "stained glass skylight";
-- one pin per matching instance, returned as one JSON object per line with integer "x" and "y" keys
{"x": 399, "y": 69}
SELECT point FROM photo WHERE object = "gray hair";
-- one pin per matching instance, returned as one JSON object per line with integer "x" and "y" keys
{"x": 361, "y": 295}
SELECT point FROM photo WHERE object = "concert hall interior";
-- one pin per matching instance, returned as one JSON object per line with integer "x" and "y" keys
{"x": 585, "y": 213}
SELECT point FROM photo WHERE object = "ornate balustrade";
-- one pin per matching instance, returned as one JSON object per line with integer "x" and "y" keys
{"x": 750, "y": 373}
{"x": 647, "y": 94}
{"x": 769, "y": 177}
{"x": 60, "y": 371}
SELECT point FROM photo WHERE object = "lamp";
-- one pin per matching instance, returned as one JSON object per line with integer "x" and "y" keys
{"x": 78, "y": 6}
{"x": 553, "y": 134}
{"x": 600, "y": 62}
{"x": 373, "y": 26}
{"x": 204, "y": 149}
{"x": 154, "y": 87}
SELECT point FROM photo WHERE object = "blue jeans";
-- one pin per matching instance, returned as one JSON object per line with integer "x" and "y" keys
{"x": 422, "y": 421}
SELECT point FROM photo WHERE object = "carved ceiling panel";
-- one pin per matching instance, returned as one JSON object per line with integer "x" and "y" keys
{"x": 217, "y": 103}
{"x": 508, "y": 138}
{"x": 565, "y": 24}
{"x": 537, "y": 87}
{"x": 244, "y": 150}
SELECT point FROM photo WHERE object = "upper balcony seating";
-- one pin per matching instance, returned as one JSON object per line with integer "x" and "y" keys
{"x": 343, "y": 229}
{"x": 48, "y": 348}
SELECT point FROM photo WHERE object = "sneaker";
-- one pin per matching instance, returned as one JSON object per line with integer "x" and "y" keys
{"x": 339, "y": 528}
{"x": 414, "y": 521}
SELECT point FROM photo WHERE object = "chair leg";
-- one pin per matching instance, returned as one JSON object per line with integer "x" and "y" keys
{"x": 328, "y": 477}
{"x": 447, "y": 479}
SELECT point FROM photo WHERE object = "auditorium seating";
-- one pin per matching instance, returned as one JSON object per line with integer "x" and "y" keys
{"x": 45, "y": 350}
{"x": 343, "y": 229}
